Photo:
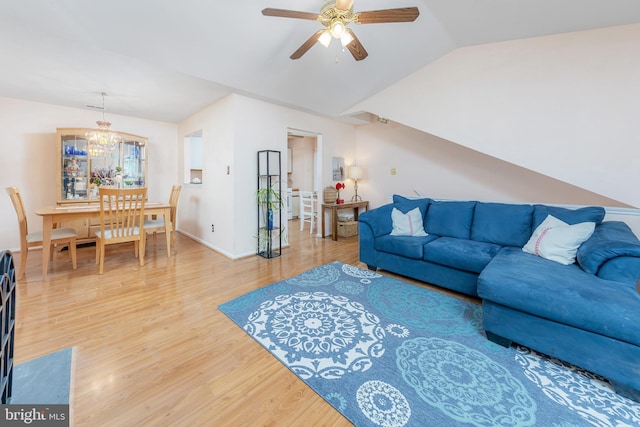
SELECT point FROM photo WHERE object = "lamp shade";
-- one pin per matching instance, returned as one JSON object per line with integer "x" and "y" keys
{"x": 325, "y": 38}
{"x": 355, "y": 172}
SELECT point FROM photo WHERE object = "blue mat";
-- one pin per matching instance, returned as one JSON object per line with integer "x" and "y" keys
{"x": 45, "y": 380}
{"x": 386, "y": 353}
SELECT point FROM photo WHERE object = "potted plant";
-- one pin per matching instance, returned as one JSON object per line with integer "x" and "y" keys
{"x": 270, "y": 201}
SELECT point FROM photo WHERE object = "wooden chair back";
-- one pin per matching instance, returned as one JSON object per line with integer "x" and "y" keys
{"x": 16, "y": 199}
{"x": 173, "y": 201}
{"x": 157, "y": 225}
{"x": 121, "y": 220}
{"x": 66, "y": 236}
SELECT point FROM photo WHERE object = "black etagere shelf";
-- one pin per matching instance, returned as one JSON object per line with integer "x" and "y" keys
{"x": 8, "y": 315}
{"x": 270, "y": 204}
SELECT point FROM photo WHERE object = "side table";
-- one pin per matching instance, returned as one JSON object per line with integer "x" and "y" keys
{"x": 335, "y": 207}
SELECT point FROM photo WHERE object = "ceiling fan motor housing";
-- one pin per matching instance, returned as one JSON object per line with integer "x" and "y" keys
{"x": 329, "y": 15}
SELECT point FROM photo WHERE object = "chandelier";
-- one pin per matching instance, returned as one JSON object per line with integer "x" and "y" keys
{"x": 102, "y": 139}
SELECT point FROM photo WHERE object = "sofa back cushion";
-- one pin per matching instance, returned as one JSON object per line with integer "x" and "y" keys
{"x": 405, "y": 204}
{"x": 502, "y": 223}
{"x": 570, "y": 216}
{"x": 451, "y": 219}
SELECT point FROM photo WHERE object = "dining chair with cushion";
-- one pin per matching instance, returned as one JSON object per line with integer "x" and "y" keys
{"x": 59, "y": 236}
{"x": 153, "y": 225}
{"x": 121, "y": 220}
{"x": 307, "y": 210}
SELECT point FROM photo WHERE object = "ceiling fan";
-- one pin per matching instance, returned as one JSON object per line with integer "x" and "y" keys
{"x": 336, "y": 15}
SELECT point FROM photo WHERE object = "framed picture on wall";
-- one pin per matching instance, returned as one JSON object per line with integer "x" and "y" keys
{"x": 337, "y": 168}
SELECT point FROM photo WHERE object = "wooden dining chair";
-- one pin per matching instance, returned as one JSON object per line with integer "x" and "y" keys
{"x": 121, "y": 220}
{"x": 59, "y": 236}
{"x": 157, "y": 224}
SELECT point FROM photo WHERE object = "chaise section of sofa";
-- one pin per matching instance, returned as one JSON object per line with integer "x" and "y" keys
{"x": 564, "y": 312}
{"x": 585, "y": 310}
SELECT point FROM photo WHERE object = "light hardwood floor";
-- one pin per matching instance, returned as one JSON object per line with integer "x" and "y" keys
{"x": 151, "y": 346}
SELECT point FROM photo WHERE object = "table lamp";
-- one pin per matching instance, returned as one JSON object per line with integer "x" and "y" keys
{"x": 355, "y": 173}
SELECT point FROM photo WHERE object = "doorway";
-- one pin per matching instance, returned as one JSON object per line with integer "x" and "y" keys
{"x": 302, "y": 171}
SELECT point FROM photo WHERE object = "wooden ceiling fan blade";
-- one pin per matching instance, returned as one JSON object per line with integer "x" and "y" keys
{"x": 306, "y": 45}
{"x": 355, "y": 47}
{"x": 344, "y": 4}
{"x": 404, "y": 14}
{"x": 284, "y": 13}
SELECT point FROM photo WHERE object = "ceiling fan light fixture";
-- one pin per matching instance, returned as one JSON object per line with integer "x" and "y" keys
{"x": 337, "y": 28}
{"x": 325, "y": 38}
{"x": 346, "y": 38}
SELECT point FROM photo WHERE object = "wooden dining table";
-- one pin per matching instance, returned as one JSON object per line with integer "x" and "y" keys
{"x": 52, "y": 215}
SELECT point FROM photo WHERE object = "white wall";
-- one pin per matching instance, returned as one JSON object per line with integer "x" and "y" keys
{"x": 443, "y": 170}
{"x": 202, "y": 205}
{"x": 564, "y": 105}
{"x": 234, "y": 129}
{"x": 29, "y": 156}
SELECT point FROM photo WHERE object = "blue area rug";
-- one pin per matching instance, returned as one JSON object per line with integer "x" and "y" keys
{"x": 388, "y": 353}
{"x": 45, "y": 380}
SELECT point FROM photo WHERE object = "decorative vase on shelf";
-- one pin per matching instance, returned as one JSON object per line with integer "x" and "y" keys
{"x": 339, "y": 186}
{"x": 269, "y": 219}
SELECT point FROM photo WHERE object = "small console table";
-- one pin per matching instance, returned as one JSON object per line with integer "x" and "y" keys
{"x": 335, "y": 207}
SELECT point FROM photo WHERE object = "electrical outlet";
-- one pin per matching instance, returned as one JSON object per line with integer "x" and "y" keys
{"x": 213, "y": 228}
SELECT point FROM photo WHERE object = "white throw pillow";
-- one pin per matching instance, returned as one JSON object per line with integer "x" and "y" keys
{"x": 409, "y": 224}
{"x": 558, "y": 241}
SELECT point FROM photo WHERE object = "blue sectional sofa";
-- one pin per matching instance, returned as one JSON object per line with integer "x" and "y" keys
{"x": 586, "y": 313}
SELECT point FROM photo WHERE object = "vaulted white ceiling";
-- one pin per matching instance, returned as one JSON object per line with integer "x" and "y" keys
{"x": 166, "y": 60}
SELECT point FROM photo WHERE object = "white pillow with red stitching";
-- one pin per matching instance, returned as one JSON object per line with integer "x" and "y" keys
{"x": 409, "y": 224}
{"x": 558, "y": 241}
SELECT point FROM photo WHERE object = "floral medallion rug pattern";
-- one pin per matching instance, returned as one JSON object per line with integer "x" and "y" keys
{"x": 387, "y": 353}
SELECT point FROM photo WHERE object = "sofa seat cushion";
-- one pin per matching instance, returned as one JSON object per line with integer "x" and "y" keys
{"x": 561, "y": 293}
{"x": 407, "y": 246}
{"x": 501, "y": 223}
{"x": 462, "y": 254}
{"x": 451, "y": 219}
